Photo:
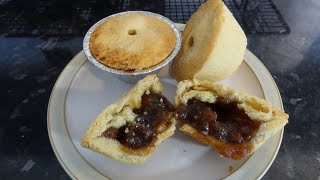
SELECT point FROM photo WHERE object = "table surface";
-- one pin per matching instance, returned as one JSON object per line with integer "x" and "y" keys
{"x": 29, "y": 67}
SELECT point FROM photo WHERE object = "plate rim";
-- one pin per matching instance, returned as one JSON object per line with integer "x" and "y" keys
{"x": 74, "y": 66}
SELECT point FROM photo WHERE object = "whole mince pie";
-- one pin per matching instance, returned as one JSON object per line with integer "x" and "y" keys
{"x": 132, "y": 41}
{"x": 131, "y": 129}
{"x": 235, "y": 124}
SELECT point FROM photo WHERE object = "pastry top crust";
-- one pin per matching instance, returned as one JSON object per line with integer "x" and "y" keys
{"x": 132, "y": 41}
{"x": 117, "y": 115}
{"x": 272, "y": 119}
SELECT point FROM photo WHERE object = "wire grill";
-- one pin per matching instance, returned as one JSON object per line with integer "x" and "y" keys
{"x": 67, "y": 18}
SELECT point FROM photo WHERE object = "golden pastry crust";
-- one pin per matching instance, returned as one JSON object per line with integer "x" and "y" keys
{"x": 213, "y": 44}
{"x": 117, "y": 115}
{"x": 132, "y": 42}
{"x": 272, "y": 119}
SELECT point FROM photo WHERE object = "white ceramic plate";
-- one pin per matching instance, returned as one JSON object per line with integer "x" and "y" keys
{"x": 82, "y": 91}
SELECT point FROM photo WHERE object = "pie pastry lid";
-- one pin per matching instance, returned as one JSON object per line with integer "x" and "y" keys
{"x": 132, "y": 76}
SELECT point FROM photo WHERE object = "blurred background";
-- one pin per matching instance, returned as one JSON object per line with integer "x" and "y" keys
{"x": 61, "y": 17}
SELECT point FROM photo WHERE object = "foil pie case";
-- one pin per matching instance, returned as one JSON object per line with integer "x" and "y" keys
{"x": 134, "y": 76}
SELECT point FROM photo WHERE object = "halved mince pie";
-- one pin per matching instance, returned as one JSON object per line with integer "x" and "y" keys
{"x": 131, "y": 129}
{"x": 235, "y": 124}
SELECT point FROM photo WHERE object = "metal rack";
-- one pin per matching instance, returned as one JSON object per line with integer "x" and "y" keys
{"x": 64, "y": 18}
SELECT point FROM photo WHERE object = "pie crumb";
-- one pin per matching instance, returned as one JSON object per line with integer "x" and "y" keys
{"x": 230, "y": 169}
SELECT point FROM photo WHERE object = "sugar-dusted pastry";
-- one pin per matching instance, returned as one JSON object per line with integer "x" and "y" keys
{"x": 234, "y": 123}
{"x": 132, "y": 41}
{"x": 213, "y": 44}
{"x": 134, "y": 126}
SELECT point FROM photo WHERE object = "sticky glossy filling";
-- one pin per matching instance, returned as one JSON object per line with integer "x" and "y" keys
{"x": 222, "y": 120}
{"x": 151, "y": 119}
